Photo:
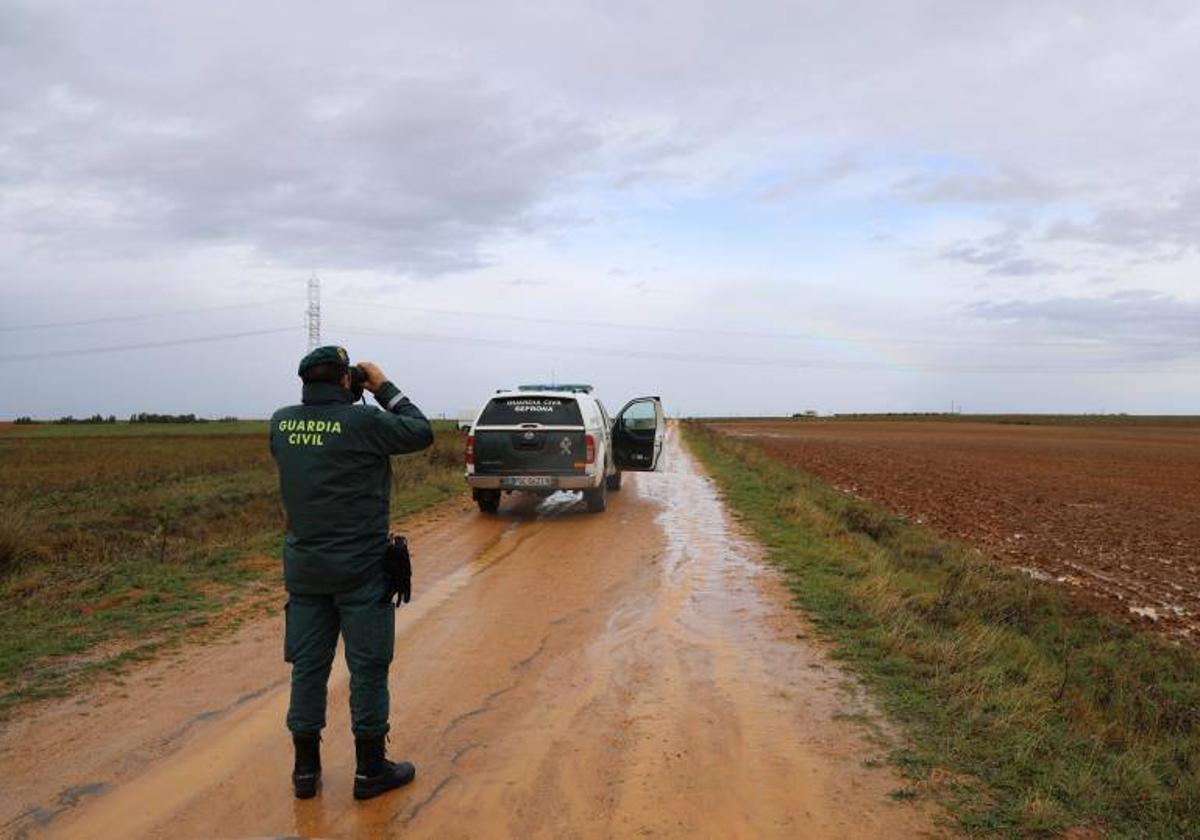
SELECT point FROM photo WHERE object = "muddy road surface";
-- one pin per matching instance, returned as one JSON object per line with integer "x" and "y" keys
{"x": 558, "y": 674}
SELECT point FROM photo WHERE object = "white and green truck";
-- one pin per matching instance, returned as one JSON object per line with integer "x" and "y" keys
{"x": 544, "y": 438}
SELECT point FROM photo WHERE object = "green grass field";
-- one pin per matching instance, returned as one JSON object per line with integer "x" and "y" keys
{"x": 116, "y": 540}
{"x": 1026, "y": 715}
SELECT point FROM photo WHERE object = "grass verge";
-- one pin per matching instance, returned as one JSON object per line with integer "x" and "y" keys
{"x": 117, "y": 544}
{"x": 1038, "y": 715}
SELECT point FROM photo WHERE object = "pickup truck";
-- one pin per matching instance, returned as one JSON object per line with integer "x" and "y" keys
{"x": 544, "y": 438}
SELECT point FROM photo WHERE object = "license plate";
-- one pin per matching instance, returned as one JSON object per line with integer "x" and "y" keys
{"x": 528, "y": 481}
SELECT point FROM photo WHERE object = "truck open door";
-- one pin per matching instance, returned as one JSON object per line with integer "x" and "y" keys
{"x": 637, "y": 435}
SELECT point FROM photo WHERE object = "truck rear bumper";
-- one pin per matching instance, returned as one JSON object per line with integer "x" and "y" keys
{"x": 558, "y": 482}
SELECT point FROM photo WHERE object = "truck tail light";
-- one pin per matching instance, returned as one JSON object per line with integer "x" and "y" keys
{"x": 469, "y": 455}
{"x": 589, "y": 444}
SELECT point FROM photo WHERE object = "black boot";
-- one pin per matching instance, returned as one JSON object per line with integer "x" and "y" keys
{"x": 306, "y": 775}
{"x": 375, "y": 774}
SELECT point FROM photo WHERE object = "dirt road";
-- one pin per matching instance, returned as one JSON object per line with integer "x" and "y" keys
{"x": 559, "y": 674}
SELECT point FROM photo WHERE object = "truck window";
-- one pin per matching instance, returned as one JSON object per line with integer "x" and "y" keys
{"x": 640, "y": 416}
{"x": 593, "y": 415}
{"x": 549, "y": 411}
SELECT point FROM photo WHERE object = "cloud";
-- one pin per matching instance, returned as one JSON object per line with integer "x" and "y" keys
{"x": 1136, "y": 316}
{"x": 1000, "y": 262}
{"x": 1001, "y": 254}
{"x": 404, "y": 174}
{"x": 842, "y": 165}
{"x": 527, "y": 283}
{"x": 1008, "y": 186}
{"x": 1138, "y": 232}
{"x": 1168, "y": 228}
{"x": 216, "y": 151}
{"x": 406, "y": 139}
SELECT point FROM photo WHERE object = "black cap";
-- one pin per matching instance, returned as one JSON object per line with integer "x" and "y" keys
{"x": 329, "y": 355}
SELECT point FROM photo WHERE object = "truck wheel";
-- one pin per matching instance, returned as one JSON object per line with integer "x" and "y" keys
{"x": 489, "y": 502}
{"x": 613, "y": 482}
{"x": 596, "y": 498}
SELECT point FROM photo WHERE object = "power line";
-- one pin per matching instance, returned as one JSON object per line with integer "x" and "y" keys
{"x": 143, "y": 317}
{"x": 741, "y": 361}
{"x": 147, "y": 345}
{"x": 745, "y": 333}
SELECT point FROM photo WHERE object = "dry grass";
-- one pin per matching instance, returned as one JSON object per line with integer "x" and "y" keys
{"x": 125, "y": 540}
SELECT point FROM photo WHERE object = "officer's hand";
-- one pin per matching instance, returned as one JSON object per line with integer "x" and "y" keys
{"x": 375, "y": 376}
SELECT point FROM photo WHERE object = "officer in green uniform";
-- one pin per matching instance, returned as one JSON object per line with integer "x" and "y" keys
{"x": 335, "y": 476}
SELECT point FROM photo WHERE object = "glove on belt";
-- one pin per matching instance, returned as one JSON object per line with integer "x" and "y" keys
{"x": 397, "y": 564}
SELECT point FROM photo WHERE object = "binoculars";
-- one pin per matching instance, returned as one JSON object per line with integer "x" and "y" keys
{"x": 358, "y": 381}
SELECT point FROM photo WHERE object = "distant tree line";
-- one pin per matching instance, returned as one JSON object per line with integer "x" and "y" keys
{"x": 899, "y": 414}
{"x": 68, "y": 420}
{"x": 146, "y": 417}
{"x": 95, "y": 418}
{"x": 140, "y": 417}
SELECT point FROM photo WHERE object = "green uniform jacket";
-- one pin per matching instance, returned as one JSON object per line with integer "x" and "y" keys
{"x": 335, "y": 476}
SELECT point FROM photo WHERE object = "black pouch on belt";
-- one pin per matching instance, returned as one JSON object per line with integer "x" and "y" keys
{"x": 397, "y": 564}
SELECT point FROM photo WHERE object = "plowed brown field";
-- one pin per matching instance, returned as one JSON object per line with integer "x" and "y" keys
{"x": 1110, "y": 511}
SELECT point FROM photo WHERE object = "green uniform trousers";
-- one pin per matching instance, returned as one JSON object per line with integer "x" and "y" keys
{"x": 366, "y": 619}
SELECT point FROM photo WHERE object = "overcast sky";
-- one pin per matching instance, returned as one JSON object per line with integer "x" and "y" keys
{"x": 747, "y": 207}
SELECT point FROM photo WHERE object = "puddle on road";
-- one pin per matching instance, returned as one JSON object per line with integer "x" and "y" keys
{"x": 705, "y": 558}
{"x": 556, "y": 504}
{"x": 526, "y": 507}
{"x": 714, "y": 677}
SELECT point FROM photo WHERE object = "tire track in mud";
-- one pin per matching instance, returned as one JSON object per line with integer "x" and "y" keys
{"x": 41, "y": 816}
{"x": 456, "y": 758}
